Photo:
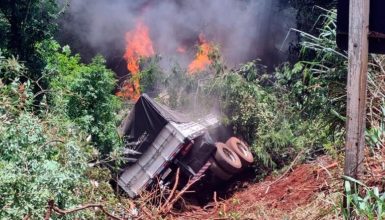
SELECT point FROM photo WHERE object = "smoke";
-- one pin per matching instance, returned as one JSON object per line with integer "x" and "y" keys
{"x": 243, "y": 29}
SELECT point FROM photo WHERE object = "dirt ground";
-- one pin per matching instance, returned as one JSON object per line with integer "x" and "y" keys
{"x": 305, "y": 191}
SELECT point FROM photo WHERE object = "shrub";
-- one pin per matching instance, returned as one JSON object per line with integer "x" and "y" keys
{"x": 84, "y": 93}
{"x": 39, "y": 159}
{"x": 44, "y": 156}
{"x": 22, "y": 25}
{"x": 316, "y": 85}
{"x": 267, "y": 119}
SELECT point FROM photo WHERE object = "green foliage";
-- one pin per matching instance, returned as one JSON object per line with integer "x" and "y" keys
{"x": 40, "y": 159}
{"x": 181, "y": 89}
{"x": 50, "y": 103}
{"x": 22, "y": 25}
{"x": 246, "y": 104}
{"x": 253, "y": 105}
{"x": 10, "y": 68}
{"x": 317, "y": 86}
{"x": 93, "y": 105}
{"x": 16, "y": 96}
{"x": 177, "y": 89}
{"x": 151, "y": 76}
{"x": 84, "y": 93}
{"x": 267, "y": 119}
{"x": 35, "y": 168}
{"x": 45, "y": 155}
{"x": 370, "y": 206}
{"x": 375, "y": 136}
{"x": 263, "y": 108}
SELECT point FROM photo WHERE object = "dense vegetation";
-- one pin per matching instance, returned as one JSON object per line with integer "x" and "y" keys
{"x": 58, "y": 116}
{"x": 298, "y": 107}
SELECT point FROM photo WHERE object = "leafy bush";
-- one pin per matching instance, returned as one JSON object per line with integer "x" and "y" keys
{"x": 45, "y": 156}
{"x": 35, "y": 168}
{"x": 266, "y": 119}
{"x": 246, "y": 106}
{"x": 84, "y": 93}
{"x": 150, "y": 76}
{"x": 317, "y": 85}
{"x": 40, "y": 159}
{"x": 22, "y": 25}
{"x": 50, "y": 103}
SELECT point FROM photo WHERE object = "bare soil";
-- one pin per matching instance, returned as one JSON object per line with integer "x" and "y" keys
{"x": 307, "y": 191}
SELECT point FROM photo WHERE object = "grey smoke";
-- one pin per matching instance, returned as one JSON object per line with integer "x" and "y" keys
{"x": 244, "y": 29}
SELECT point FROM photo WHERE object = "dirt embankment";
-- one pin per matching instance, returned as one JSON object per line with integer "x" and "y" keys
{"x": 306, "y": 191}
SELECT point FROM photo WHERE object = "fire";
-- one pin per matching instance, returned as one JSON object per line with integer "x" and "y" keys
{"x": 138, "y": 45}
{"x": 202, "y": 60}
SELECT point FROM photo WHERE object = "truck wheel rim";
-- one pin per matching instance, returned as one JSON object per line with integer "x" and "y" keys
{"x": 229, "y": 154}
{"x": 243, "y": 148}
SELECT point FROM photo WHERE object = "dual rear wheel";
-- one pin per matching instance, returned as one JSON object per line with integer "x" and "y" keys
{"x": 230, "y": 158}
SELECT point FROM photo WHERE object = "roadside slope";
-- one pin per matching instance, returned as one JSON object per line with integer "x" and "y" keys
{"x": 306, "y": 191}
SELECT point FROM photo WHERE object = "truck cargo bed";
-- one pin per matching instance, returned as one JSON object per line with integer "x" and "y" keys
{"x": 161, "y": 152}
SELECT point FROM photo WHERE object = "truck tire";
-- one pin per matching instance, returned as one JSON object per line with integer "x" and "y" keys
{"x": 227, "y": 159}
{"x": 219, "y": 172}
{"x": 241, "y": 149}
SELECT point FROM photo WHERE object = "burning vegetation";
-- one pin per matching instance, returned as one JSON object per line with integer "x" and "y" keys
{"x": 138, "y": 45}
{"x": 202, "y": 59}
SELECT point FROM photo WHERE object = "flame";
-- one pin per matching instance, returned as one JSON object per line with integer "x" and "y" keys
{"x": 202, "y": 60}
{"x": 138, "y": 45}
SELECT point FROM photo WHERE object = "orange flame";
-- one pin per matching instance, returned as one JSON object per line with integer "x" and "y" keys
{"x": 202, "y": 60}
{"x": 138, "y": 44}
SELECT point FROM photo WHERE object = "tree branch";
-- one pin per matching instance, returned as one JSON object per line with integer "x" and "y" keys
{"x": 51, "y": 206}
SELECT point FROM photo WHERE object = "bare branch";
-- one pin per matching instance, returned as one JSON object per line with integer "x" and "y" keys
{"x": 51, "y": 206}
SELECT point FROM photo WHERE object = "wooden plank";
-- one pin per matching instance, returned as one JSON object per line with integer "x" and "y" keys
{"x": 356, "y": 87}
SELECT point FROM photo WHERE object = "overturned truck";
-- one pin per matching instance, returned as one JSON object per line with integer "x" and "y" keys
{"x": 160, "y": 140}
